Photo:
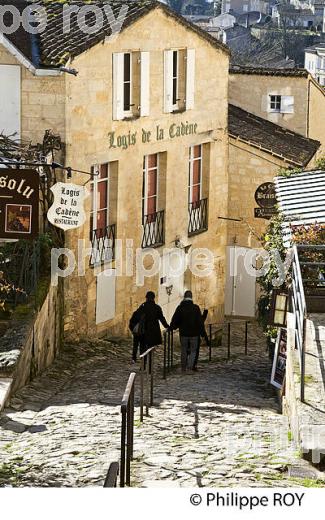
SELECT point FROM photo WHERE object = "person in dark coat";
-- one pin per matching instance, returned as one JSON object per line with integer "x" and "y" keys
{"x": 150, "y": 314}
{"x": 188, "y": 319}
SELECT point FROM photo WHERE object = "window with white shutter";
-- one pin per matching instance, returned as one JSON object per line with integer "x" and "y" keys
{"x": 144, "y": 83}
{"x": 131, "y": 84}
{"x": 190, "y": 79}
{"x": 168, "y": 81}
{"x": 287, "y": 104}
{"x": 118, "y": 85}
{"x": 179, "y": 79}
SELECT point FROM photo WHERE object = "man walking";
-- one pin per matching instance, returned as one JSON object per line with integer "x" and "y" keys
{"x": 145, "y": 327}
{"x": 188, "y": 319}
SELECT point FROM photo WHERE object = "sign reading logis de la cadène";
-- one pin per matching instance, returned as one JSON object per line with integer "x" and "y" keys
{"x": 67, "y": 210}
{"x": 124, "y": 141}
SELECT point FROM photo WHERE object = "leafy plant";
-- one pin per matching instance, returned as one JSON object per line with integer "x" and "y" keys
{"x": 320, "y": 163}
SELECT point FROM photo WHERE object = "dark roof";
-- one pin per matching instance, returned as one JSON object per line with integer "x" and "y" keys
{"x": 261, "y": 71}
{"x": 267, "y": 136}
{"x": 53, "y": 47}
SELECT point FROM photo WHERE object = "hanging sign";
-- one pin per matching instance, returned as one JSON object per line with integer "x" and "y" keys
{"x": 265, "y": 197}
{"x": 19, "y": 203}
{"x": 280, "y": 359}
{"x": 67, "y": 210}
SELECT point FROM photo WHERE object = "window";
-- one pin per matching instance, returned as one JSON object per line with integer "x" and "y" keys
{"x": 127, "y": 82}
{"x": 197, "y": 205}
{"x": 152, "y": 218}
{"x": 195, "y": 176}
{"x": 275, "y": 103}
{"x": 103, "y": 213}
{"x": 281, "y": 104}
{"x": 10, "y": 102}
{"x": 150, "y": 187}
{"x": 179, "y": 79}
{"x": 99, "y": 213}
{"x": 175, "y": 78}
{"x": 131, "y": 84}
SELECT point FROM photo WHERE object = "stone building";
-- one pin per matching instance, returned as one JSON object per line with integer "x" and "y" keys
{"x": 257, "y": 151}
{"x": 140, "y": 111}
{"x": 288, "y": 98}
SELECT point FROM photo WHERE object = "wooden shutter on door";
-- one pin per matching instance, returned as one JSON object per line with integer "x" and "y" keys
{"x": 190, "y": 78}
{"x": 118, "y": 77}
{"x": 10, "y": 104}
{"x": 168, "y": 81}
{"x": 144, "y": 83}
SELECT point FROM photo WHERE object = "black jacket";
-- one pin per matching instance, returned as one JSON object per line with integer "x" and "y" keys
{"x": 188, "y": 319}
{"x": 153, "y": 315}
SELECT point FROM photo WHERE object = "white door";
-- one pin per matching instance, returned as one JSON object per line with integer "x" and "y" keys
{"x": 240, "y": 296}
{"x": 105, "y": 296}
{"x": 10, "y": 100}
{"x": 171, "y": 282}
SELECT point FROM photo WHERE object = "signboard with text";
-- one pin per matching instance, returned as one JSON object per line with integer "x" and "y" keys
{"x": 265, "y": 198}
{"x": 67, "y": 211}
{"x": 19, "y": 203}
{"x": 280, "y": 359}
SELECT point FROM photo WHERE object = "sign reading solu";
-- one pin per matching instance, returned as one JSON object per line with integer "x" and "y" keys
{"x": 19, "y": 203}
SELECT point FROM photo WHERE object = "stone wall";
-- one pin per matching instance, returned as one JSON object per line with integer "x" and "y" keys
{"x": 42, "y": 102}
{"x": 316, "y": 126}
{"x": 30, "y": 345}
{"x": 250, "y": 92}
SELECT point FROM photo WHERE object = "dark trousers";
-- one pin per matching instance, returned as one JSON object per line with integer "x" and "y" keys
{"x": 137, "y": 345}
{"x": 189, "y": 347}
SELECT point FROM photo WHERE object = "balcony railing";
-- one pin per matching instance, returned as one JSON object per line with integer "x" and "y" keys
{"x": 153, "y": 230}
{"x": 198, "y": 217}
{"x": 103, "y": 245}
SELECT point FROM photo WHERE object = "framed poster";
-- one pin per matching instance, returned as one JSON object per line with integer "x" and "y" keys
{"x": 19, "y": 203}
{"x": 280, "y": 359}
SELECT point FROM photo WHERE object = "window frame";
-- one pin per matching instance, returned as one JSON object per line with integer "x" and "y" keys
{"x": 276, "y": 101}
{"x": 175, "y": 78}
{"x": 191, "y": 185}
{"x": 94, "y": 210}
{"x": 128, "y": 112}
{"x": 145, "y": 185}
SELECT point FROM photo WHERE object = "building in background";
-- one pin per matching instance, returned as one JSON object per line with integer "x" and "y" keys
{"x": 289, "y": 98}
{"x": 315, "y": 62}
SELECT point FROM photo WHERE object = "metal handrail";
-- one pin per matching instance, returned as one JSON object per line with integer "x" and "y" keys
{"x": 219, "y": 327}
{"x": 147, "y": 372}
{"x": 112, "y": 475}
{"x": 299, "y": 311}
{"x": 168, "y": 352}
{"x": 127, "y": 431}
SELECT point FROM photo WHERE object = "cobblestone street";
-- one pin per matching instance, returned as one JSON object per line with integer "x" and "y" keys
{"x": 220, "y": 426}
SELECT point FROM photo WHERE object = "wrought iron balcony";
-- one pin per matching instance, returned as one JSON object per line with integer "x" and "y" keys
{"x": 153, "y": 230}
{"x": 103, "y": 245}
{"x": 198, "y": 217}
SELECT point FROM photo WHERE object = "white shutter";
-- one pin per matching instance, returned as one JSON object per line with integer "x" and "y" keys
{"x": 10, "y": 105}
{"x": 168, "y": 81}
{"x": 145, "y": 84}
{"x": 287, "y": 104}
{"x": 118, "y": 77}
{"x": 190, "y": 78}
